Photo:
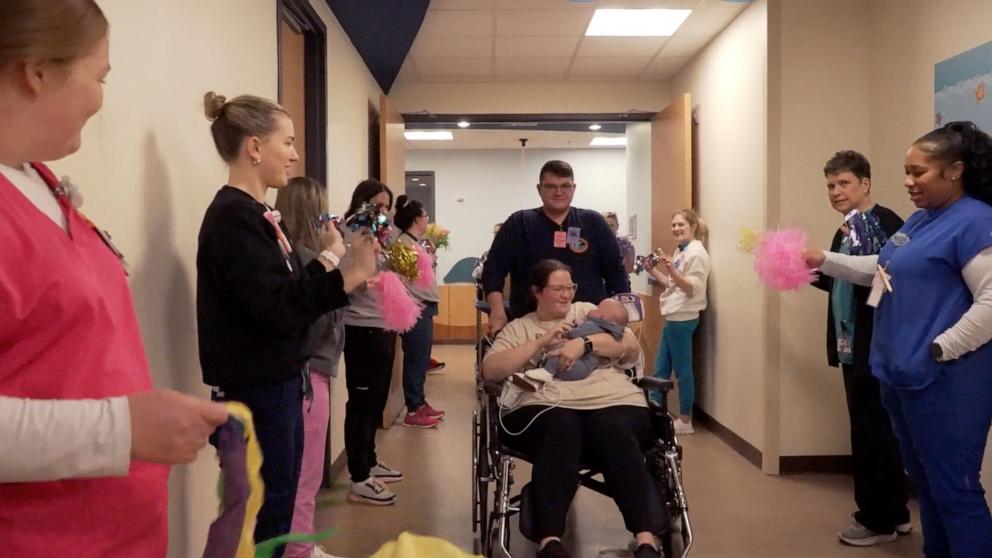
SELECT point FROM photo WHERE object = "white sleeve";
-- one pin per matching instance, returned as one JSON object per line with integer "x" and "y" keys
{"x": 859, "y": 270}
{"x": 46, "y": 440}
{"x": 974, "y": 329}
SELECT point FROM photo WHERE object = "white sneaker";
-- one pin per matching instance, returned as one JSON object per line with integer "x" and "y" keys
{"x": 382, "y": 473}
{"x": 371, "y": 491}
{"x": 682, "y": 427}
{"x": 319, "y": 552}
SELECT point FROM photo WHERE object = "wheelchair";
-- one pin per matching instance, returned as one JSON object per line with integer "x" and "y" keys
{"x": 493, "y": 464}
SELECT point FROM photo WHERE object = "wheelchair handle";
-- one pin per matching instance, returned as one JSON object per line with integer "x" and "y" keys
{"x": 655, "y": 384}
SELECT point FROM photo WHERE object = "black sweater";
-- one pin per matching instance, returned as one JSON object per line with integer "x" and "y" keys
{"x": 252, "y": 311}
{"x": 864, "y": 315}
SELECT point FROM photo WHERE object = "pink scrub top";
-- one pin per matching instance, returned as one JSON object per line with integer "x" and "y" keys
{"x": 68, "y": 331}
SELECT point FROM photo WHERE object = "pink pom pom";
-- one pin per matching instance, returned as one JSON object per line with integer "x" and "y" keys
{"x": 399, "y": 310}
{"x": 779, "y": 262}
{"x": 425, "y": 267}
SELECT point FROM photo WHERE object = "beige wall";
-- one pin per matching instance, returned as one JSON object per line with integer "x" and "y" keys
{"x": 727, "y": 82}
{"x": 638, "y": 168}
{"x": 528, "y": 98}
{"x": 148, "y": 170}
{"x": 822, "y": 74}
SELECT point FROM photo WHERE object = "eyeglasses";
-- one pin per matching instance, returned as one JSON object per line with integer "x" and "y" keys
{"x": 559, "y": 289}
{"x": 567, "y": 187}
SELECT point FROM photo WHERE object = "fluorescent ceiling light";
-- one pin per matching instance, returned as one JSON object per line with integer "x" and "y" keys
{"x": 636, "y": 23}
{"x": 602, "y": 141}
{"x": 595, "y": 127}
{"x": 428, "y": 135}
{"x": 464, "y": 124}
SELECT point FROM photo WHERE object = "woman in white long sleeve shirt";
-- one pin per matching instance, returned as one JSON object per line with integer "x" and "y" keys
{"x": 932, "y": 283}
{"x": 683, "y": 275}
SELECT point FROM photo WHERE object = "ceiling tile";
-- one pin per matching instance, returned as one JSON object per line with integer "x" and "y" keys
{"x": 450, "y": 67}
{"x": 543, "y": 5}
{"x": 609, "y": 66}
{"x": 548, "y": 69}
{"x": 461, "y": 47}
{"x": 664, "y": 67}
{"x": 706, "y": 22}
{"x": 548, "y": 23}
{"x": 719, "y": 5}
{"x": 461, "y": 5}
{"x": 684, "y": 46}
{"x": 519, "y": 47}
{"x": 456, "y": 23}
{"x": 647, "y": 4}
{"x": 620, "y": 46}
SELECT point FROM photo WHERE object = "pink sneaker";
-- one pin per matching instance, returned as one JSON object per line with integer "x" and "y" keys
{"x": 431, "y": 411}
{"x": 418, "y": 419}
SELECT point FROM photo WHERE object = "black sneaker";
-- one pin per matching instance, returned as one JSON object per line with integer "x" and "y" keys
{"x": 647, "y": 551}
{"x": 553, "y": 549}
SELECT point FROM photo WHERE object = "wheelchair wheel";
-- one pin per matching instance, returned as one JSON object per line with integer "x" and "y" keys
{"x": 476, "y": 517}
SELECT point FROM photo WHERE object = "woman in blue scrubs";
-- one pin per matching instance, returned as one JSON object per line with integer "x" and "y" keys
{"x": 932, "y": 283}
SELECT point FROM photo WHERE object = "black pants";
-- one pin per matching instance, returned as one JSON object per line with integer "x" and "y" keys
{"x": 879, "y": 477}
{"x": 612, "y": 440}
{"x": 368, "y": 368}
{"x": 277, "y": 411}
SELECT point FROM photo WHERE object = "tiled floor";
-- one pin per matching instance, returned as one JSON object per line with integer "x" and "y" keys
{"x": 737, "y": 511}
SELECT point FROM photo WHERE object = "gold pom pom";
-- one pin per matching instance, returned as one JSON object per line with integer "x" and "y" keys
{"x": 403, "y": 260}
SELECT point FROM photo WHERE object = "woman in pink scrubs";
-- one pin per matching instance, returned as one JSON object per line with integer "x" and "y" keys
{"x": 84, "y": 437}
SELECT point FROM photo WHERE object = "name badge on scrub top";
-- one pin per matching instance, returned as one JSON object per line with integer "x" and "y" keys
{"x": 880, "y": 284}
{"x": 561, "y": 240}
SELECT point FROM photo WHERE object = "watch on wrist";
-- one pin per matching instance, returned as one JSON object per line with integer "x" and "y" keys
{"x": 936, "y": 352}
{"x": 331, "y": 257}
{"x": 587, "y": 344}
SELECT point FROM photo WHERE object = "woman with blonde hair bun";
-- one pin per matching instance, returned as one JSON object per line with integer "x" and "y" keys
{"x": 257, "y": 298}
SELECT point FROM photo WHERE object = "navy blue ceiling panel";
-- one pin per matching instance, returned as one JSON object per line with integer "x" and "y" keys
{"x": 382, "y": 31}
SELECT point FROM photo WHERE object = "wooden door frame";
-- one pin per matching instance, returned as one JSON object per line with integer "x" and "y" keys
{"x": 301, "y": 16}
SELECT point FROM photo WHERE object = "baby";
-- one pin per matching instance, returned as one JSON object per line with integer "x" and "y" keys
{"x": 608, "y": 317}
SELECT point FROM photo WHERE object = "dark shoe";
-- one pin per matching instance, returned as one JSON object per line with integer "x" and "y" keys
{"x": 553, "y": 549}
{"x": 647, "y": 551}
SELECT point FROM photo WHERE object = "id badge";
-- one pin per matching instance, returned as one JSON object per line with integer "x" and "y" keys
{"x": 561, "y": 239}
{"x": 574, "y": 235}
{"x": 105, "y": 237}
{"x": 843, "y": 345}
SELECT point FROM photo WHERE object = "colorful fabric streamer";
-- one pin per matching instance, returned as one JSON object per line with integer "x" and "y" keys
{"x": 778, "y": 260}
{"x": 232, "y": 534}
{"x": 399, "y": 310}
{"x": 409, "y": 545}
{"x": 425, "y": 266}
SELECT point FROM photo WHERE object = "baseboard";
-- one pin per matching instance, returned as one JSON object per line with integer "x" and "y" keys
{"x": 339, "y": 466}
{"x": 826, "y": 464}
{"x": 729, "y": 437}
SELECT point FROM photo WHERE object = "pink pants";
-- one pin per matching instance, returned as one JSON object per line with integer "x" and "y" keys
{"x": 315, "y": 420}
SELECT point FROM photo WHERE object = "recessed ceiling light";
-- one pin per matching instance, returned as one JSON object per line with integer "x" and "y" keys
{"x": 415, "y": 135}
{"x": 602, "y": 141}
{"x": 415, "y": 179}
{"x": 595, "y": 127}
{"x": 636, "y": 23}
{"x": 464, "y": 124}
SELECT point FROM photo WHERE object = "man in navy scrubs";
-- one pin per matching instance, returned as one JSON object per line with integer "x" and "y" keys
{"x": 579, "y": 238}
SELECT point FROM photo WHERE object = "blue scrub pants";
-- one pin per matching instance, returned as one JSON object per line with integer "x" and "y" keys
{"x": 942, "y": 430}
{"x": 675, "y": 351}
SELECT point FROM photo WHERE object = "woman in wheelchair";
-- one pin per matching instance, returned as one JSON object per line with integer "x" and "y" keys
{"x": 601, "y": 420}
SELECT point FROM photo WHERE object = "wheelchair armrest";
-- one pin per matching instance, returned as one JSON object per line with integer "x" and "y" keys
{"x": 655, "y": 384}
{"x": 492, "y": 388}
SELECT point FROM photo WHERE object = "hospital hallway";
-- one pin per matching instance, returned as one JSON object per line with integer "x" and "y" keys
{"x": 736, "y": 510}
